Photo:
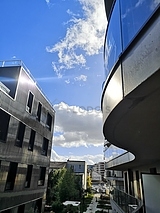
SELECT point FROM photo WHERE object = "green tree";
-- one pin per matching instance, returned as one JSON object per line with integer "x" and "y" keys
{"x": 54, "y": 180}
{"x": 68, "y": 187}
{"x": 63, "y": 185}
{"x": 89, "y": 183}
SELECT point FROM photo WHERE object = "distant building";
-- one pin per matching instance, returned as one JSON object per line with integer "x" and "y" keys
{"x": 131, "y": 101}
{"x": 26, "y": 130}
{"x": 80, "y": 169}
{"x": 99, "y": 168}
{"x": 96, "y": 177}
{"x": 57, "y": 165}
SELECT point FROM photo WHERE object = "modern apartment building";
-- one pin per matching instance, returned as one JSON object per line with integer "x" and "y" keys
{"x": 131, "y": 100}
{"x": 26, "y": 130}
{"x": 80, "y": 169}
{"x": 100, "y": 169}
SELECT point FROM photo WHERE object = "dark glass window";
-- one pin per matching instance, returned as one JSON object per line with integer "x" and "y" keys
{"x": 11, "y": 176}
{"x": 113, "y": 46}
{"x": 127, "y": 19}
{"x": 39, "y": 111}
{"x": 20, "y": 134}
{"x": 29, "y": 102}
{"x": 134, "y": 14}
{"x": 42, "y": 176}
{"x": 8, "y": 80}
{"x": 49, "y": 121}
{"x": 28, "y": 176}
{"x": 4, "y": 123}
{"x": 6, "y": 211}
{"x": 21, "y": 208}
{"x": 45, "y": 146}
{"x": 31, "y": 140}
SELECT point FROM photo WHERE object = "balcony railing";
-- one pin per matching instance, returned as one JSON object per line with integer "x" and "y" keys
{"x": 125, "y": 202}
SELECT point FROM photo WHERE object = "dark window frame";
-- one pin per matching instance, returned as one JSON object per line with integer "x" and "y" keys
{"x": 42, "y": 175}
{"x": 45, "y": 146}
{"x": 31, "y": 140}
{"x": 49, "y": 121}
{"x": 29, "y": 102}
{"x": 12, "y": 172}
{"x": 28, "y": 176}
{"x": 39, "y": 111}
{"x": 20, "y": 134}
{"x": 4, "y": 125}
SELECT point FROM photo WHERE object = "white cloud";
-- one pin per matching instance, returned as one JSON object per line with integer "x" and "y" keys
{"x": 81, "y": 78}
{"x": 139, "y": 3}
{"x": 67, "y": 81}
{"x": 86, "y": 33}
{"x": 90, "y": 159}
{"x": 77, "y": 126}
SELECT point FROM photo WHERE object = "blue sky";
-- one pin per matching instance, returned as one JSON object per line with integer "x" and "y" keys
{"x": 61, "y": 43}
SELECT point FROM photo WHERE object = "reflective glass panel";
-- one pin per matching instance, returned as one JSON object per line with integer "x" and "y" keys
{"x": 134, "y": 14}
{"x": 113, "y": 46}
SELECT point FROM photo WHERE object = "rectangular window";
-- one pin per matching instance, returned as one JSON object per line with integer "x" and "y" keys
{"x": 29, "y": 103}
{"x": 49, "y": 121}
{"x": 45, "y": 146}
{"x": 11, "y": 176}
{"x": 31, "y": 140}
{"x": 42, "y": 176}
{"x": 28, "y": 176}
{"x": 4, "y": 123}
{"x": 20, "y": 134}
{"x": 8, "y": 79}
{"x": 39, "y": 111}
{"x": 21, "y": 208}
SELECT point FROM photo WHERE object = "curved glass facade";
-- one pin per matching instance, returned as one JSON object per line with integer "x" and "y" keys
{"x": 127, "y": 18}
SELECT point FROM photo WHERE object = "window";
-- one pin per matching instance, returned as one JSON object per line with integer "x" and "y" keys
{"x": 39, "y": 111}
{"x": 42, "y": 176}
{"x": 31, "y": 140}
{"x": 8, "y": 80}
{"x": 20, "y": 134}
{"x": 49, "y": 121}
{"x": 4, "y": 123}
{"x": 30, "y": 102}
{"x": 45, "y": 146}
{"x": 11, "y": 176}
{"x": 113, "y": 45}
{"x": 28, "y": 176}
{"x": 21, "y": 208}
{"x": 133, "y": 16}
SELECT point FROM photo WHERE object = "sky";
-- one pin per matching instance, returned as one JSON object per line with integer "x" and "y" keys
{"x": 61, "y": 43}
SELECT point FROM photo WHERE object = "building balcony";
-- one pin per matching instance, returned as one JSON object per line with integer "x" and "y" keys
{"x": 119, "y": 162}
{"x": 122, "y": 202}
{"x": 131, "y": 96}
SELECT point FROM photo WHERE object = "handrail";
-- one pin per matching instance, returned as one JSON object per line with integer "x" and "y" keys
{"x": 126, "y": 202}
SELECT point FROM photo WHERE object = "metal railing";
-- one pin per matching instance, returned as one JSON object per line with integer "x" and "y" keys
{"x": 125, "y": 201}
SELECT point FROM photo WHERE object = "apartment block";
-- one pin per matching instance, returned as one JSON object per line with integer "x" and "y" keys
{"x": 26, "y": 130}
